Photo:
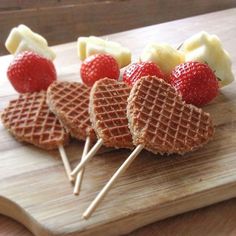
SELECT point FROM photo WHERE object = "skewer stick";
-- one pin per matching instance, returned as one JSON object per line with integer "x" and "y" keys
{"x": 179, "y": 46}
{"x": 110, "y": 183}
{"x": 86, "y": 159}
{"x": 66, "y": 163}
{"x": 80, "y": 175}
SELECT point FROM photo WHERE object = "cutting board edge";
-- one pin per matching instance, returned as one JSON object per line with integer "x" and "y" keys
{"x": 13, "y": 210}
{"x": 131, "y": 222}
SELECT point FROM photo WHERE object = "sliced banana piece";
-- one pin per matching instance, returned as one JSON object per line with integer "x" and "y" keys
{"x": 22, "y": 38}
{"x": 87, "y": 46}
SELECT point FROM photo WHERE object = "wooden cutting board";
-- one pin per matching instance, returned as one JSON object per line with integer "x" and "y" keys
{"x": 34, "y": 189}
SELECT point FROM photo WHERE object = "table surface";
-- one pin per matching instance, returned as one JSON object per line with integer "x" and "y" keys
{"x": 218, "y": 219}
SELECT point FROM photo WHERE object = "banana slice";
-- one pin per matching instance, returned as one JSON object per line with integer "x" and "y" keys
{"x": 87, "y": 46}
{"x": 22, "y": 38}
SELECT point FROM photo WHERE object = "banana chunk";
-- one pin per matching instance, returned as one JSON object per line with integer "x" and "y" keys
{"x": 164, "y": 55}
{"x": 87, "y": 46}
{"x": 22, "y": 38}
{"x": 207, "y": 48}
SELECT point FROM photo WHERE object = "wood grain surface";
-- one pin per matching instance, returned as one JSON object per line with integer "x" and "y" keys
{"x": 215, "y": 220}
{"x": 34, "y": 188}
{"x": 63, "y": 21}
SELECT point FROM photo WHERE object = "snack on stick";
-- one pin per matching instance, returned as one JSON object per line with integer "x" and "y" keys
{"x": 108, "y": 101}
{"x": 29, "y": 119}
{"x": 160, "y": 122}
{"x": 69, "y": 101}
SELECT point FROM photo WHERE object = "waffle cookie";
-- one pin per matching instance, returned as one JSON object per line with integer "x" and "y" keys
{"x": 108, "y": 101}
{"x": 69, "y": 101}
{"x": 29, "y": 119}
{"x": 162, "y": 122}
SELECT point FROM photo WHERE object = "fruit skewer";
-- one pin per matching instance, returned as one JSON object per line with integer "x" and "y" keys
{"x": 161, "y": 122}
{"x": 108, "y": 100}
{"x": 69, "y": 101}
{"x": 29, "y": 119}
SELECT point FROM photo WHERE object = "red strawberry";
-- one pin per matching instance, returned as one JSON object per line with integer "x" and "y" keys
{"x": 196, "y": 82}
{"x": 97, "y": 67}
{"x": 30, "y": 72}
{"x": 137, "y": 70}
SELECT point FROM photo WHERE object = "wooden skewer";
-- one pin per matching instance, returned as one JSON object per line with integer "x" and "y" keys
{"x": 80, "y": 175}
{"x": 66, "y": 163}
{"x": 86, "y": 159}
{"x": 179, "y": 47}
{"x": 110, "y": 183}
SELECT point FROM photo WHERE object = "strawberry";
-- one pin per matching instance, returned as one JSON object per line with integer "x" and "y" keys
{"x": 137, "y": 70}
{"x": 196, "y": 82}
{"x": 97, "y": 67}
{"x": 30, "y": 72}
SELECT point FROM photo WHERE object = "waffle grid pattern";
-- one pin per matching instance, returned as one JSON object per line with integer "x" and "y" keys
{"x": 108, "y": 102}
{"x": 161, "y": 121}
{"x": 70, "y": 102}
{"x": 29, "y": 119}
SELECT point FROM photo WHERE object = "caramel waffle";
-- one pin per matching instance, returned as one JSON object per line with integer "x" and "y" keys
{"x": 108, "y": 102}
{"x": 69, "y": 101}
{"x": 162, "y": 122}
{"x": 29, "y": 119}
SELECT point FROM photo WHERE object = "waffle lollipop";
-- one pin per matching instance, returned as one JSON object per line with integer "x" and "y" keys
{"x": 69, "y": 101}
{"x": 28, "y": 119}
{"x": 108, "y": 101}
{"x": 161, "y": 122}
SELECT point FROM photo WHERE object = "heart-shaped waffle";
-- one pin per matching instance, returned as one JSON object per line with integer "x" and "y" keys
{"x": 108, "y": 102}
{"x": 29, "y": 119}
{"x": 162, "y": 122}
{"x": 69, "y": 101}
